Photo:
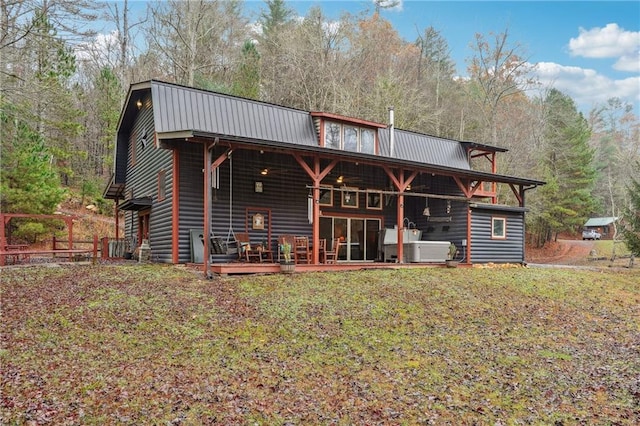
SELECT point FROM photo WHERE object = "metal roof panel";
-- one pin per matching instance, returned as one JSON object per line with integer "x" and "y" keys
{"x": 424, "y": 149}
{"x": 179, "y": 108}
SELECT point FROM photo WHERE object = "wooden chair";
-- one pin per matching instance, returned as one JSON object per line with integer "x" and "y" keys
{"x": 322, "y": 249}
{"x": 331, "y": 256}
{"x": 301, "y": 250}
{"x": 245, "y": 252}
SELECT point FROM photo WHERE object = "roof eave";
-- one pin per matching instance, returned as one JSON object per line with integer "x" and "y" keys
{"x": 373, "y": 158}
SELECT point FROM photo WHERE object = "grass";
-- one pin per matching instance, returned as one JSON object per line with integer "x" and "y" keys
{"x": 160, "y": 345}
{"x": 605, "y": 248}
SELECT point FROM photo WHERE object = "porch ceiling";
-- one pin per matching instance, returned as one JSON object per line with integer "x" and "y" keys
{"x": 376, "y": 160}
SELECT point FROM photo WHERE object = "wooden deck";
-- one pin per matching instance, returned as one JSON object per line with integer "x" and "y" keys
{"x": 235, "y": 268}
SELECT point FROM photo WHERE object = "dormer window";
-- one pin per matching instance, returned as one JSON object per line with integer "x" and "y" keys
{"x": 349, "y": 138}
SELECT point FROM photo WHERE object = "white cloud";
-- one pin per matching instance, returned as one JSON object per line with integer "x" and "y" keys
{"x": 586, "y": 86}
{"x": 100, "y": 48}
{"x": 610, "y": 41}
{"x": 630, "y": 63}
{"x": 395, "y": 5}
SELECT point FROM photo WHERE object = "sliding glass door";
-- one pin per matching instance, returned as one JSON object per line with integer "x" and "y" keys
{"x": 358, "y": 236}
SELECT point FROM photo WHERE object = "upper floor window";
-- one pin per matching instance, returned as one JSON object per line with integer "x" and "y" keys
{"x": 332, "y": 135}
{"x": 349, "y": 138}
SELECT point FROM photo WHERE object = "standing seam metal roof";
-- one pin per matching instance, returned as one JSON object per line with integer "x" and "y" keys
{"x": 180, "y": 108}
{"x": 424, "y": 149}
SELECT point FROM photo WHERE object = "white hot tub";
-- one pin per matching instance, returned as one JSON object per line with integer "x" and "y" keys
{"x": 414, "y": 250}
{"x": 425, "y": 251}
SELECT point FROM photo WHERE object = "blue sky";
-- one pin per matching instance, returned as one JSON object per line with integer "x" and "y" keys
{"x": 589, "y": 50}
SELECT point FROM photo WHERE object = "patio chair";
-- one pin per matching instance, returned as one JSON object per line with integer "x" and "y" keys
{"x": 245, "y": 252}
{"x": 331, "y": 255}
{"x": 301, "y": 250}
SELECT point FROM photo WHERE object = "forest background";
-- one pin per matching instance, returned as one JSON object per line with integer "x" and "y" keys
{"x": 61, "y": 96}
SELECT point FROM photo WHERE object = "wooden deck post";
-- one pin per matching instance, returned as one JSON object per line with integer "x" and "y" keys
{"x": 95, "y": 248}
{"x": 207, "y": 207}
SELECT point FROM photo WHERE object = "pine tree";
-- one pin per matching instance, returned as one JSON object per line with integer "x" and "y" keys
{"x": 29, "y": 182}
{"x": 247, "y": 82}
{"x": 567, "y": 199}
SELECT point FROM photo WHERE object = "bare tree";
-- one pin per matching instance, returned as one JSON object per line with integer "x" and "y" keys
{"x": 498, "y": 70}
{"x": 199, "y": 41}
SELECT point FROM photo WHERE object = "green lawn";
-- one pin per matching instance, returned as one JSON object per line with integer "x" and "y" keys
{"x": 605, "y": 248}
{"x": 150, "y": 344}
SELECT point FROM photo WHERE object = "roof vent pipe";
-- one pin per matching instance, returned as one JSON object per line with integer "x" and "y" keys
{"x": 391, "y": 135}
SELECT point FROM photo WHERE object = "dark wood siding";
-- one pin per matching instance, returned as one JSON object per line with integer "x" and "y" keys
{"x": 142, "y": 180}
{"x": 285, "y": 193}
{"x": 191, "y": 197}
{"x": 485, "y": 249}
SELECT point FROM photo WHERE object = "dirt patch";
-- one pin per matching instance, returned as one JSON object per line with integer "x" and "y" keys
{"x": 561, "y": 252}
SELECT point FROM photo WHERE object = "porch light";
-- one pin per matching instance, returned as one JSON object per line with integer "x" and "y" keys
{"x": 264, "y": 172}
{"x": 340, "y": 179}
{"x": 139, "y": 103}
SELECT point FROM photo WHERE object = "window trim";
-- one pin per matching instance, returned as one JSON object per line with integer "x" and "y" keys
{"x": 494, "y": 220}
{"x": 342, "y": 128}
{"x": 328, "y": 188}
{"x": 162, "y": 185}
{"x": 371, "y": 206}
{"x": 350, "y": 190}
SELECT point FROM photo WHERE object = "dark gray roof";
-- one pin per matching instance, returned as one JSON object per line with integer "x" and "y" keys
{"x": 179, "y": 108}
{"x": 182, "y": 112}
{"x": 426, "y": 149}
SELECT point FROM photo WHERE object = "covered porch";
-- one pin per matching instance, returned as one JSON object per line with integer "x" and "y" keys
{"x": 395, "y": 197}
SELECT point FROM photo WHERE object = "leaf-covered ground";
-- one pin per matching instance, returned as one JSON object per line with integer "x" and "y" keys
{"x": 150, "y": 344}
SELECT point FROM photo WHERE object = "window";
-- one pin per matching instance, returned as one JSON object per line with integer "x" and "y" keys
{"x": 332, "y": 135}
{"x": 349, "y": 138}
{"x": 350, "y": 198}
{"x": 368, "y": 141}
{"x": 374, "y": 200}
{"x": 498, "y": 228}
{"x": 326, "y": 196}
{"x": 162, "y": 185}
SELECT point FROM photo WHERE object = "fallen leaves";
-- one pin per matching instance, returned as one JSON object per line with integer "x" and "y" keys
{"x": 157, "y": 344}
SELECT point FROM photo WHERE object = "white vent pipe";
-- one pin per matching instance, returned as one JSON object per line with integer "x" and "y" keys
{"x": 391, "y": 135}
